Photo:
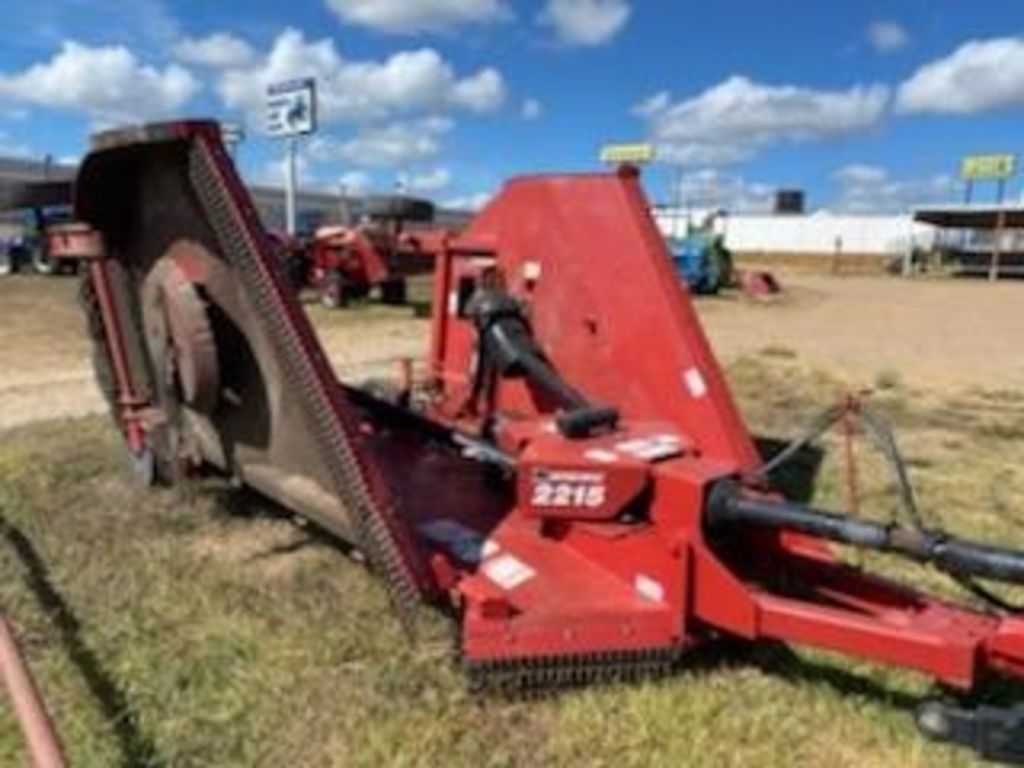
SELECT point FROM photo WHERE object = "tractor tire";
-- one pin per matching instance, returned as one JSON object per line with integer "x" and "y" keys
{"x": 393, "y": 292}
{"x": 296, "y": 270}
{"x": 334, "y": 293}
{"x": 42, "y": 264}
{"x": 391, "y": 207}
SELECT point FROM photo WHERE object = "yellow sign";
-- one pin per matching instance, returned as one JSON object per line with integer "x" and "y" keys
{"x": 635, "y": 154}
{"x": 988, "y": 167}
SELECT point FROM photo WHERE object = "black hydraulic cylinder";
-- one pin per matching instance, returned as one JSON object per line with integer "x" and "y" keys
{"x": 730, "y": 508}
{"x": 960, "y": 556}
{"x": 509, "y": 348}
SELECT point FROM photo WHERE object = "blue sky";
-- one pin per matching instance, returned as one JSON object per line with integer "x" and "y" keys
{"x": 867, "y": 105}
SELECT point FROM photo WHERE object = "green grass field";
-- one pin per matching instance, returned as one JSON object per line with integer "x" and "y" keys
{"x": 213, "y": 633}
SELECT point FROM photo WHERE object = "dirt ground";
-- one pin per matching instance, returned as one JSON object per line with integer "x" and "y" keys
{"x": 930, "y": 334}
{"x": 45, "y": 369}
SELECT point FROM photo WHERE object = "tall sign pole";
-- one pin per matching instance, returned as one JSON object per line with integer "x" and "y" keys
{"x": 291, "y": 182}
{"x": 997, "y": 168}
{"x": 291, "y": 113}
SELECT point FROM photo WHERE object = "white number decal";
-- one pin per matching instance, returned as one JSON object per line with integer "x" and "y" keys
{"x": 565, "y": 494}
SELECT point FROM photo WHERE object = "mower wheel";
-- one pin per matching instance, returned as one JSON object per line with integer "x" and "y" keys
{"x": 393, "y": 292}
{"x": 334, "y": 292}
{"x": 399, "y": 207}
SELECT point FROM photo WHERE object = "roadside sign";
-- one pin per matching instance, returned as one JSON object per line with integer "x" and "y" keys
{"x": 635, "y": 154}
{"x": 988, "y": 167}
{"x": 291, "y": 108}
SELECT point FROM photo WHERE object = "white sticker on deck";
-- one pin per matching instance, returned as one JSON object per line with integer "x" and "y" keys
{"x": 695, "y": 383}
{"x": 508, "y": 571}
{"x": 651, "y": 448}
{"x": 601, "y": 455}
{"x": 649, "y": 588}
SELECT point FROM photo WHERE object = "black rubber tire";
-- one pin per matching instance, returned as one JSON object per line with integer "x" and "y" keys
{"x": 393, "y": 292}
{"x": 66, "y": 267}
{"x": 392, "y": 207}
{"x": 43, "y": 264}
{"x": 334, "y": 292}
{"x": 295, "y": 268}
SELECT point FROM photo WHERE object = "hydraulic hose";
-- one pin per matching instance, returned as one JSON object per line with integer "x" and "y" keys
{"x": 729, "y": 507}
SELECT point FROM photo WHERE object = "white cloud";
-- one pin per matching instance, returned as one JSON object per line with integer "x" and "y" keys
{"x": 10, "y": 147}
{"x": 712, "y": 188}
{"x": 356, "y": 182}
{"x": 472, "y": 202}
{"x": 857, "y": 174}
{"x": 107, "y": 83}
{"x": 733, "y": 120}
{"x": 532, "y": 109}
{"x": 654, "y": 105}
{"x": 483, "y": 92}
{"x": 416, "y": 16}
{"x": 585, "y": 22}
{"x": 362, "y": 91}
{"x": 393, "y": 145}
{"x": 221, "y": 49}
{"x": 870, "y": 189}
{"x": 979, "y": 76}
{"x": 274, "y": 173}
{"x": 427, "y": 183}
{"x": 887, "y": 36}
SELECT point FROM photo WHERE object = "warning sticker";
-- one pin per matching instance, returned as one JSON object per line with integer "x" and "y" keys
{"x": 651, "y": 448}
{"x": 508, "y": 571}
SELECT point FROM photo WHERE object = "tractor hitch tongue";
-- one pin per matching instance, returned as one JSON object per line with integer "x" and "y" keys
{"x": 568, "y": 477}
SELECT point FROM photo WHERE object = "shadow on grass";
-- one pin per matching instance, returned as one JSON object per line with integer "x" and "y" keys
{"x": 246, "y": 504}
{"x": 136, "y": 748}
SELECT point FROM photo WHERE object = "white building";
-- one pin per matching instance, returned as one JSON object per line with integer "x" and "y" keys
{"x": 819, "y": 234}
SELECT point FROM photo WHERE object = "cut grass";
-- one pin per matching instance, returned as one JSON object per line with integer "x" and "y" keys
{"x": 215, "y": 633}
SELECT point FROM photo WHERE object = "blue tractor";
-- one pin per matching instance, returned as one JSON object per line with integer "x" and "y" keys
{"x": 702, "y": 260}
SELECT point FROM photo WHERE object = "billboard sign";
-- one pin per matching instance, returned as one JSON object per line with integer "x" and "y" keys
{"x": 635, "y": 154}
{"x": 988, "y": 167}
{"x": 291, "y": 108}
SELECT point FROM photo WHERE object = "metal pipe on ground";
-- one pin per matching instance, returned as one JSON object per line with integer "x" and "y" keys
{"x": 41, "y": 739}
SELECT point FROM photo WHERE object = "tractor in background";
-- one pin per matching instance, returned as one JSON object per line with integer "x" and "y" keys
{"x": 703, "y": 261}
{"x": 42, "y": 209}
{"x": 380, "y": 249}
{"x": 706, "y": 265}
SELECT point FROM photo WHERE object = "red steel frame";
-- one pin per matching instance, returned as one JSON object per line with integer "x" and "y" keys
{"x": 585, "y": 257}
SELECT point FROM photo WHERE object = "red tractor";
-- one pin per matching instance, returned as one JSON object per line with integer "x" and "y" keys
{"x": 347, "y": 261}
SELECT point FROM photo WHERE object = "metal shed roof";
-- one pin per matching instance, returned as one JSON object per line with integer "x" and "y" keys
{"x": 971, "y": 216}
